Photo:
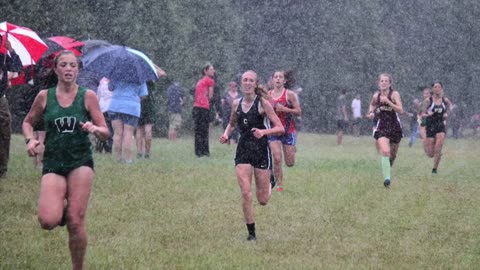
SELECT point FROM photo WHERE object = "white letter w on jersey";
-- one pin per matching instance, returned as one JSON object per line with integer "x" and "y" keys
{"x": 65, "y": 124}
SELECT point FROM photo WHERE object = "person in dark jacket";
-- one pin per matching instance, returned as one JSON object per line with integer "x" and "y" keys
{"x": 8, "y": 62}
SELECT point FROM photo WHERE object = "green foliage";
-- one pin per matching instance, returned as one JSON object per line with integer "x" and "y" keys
{"x": 329, "y": 44}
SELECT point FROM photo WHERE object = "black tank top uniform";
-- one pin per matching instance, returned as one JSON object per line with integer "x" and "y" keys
{"x": 251, "y": 150}
{"x": 435, "y": 122}
{"x": 387, "y": 121}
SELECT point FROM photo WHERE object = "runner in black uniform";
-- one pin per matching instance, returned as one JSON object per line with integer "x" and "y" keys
{"x": 436, "y": 111}
{"x": 253, "y": 153}
{"x": 251, "y": 150}
{"x": 385, "y": 107}
{"x": 427, "y": 93}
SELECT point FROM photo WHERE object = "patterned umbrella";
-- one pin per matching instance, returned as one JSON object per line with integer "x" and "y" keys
{"x": 26, "y": 43}
{"x": 59, "y": 43}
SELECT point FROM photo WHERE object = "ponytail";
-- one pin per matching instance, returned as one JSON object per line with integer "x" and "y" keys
{"x": 260, "y": 90}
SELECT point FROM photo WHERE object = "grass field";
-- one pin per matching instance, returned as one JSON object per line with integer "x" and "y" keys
{"x": 177, "y": 211}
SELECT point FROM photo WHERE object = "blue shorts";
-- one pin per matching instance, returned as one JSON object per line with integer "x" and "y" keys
{"x": 287, "y": 139}
{"x": 126, "y": 119}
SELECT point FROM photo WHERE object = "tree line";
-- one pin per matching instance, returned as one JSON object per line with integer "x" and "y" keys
{"x": 329, "y": 45}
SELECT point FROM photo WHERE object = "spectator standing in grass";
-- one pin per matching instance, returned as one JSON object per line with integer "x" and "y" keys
{"x": 7, "y": 63}
{"x": 104, "y": 95}
{"x": 341, "y": 115}
{"x": 144, "y": 132}
{"x": 357, "y": 115}
{"x": 124, "y": 112}
{"x": 201, "y": 110}
{"x": 176, "y": 97}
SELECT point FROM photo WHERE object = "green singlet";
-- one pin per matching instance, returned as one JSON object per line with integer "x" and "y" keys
{"x": 67, "y": 146}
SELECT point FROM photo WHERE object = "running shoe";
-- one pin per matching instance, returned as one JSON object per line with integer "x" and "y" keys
{"x": 272, "y": 180}
{"x": 386, "y": 183}
{"x": 251, "y": 237}
{"x": 434, "y": 171}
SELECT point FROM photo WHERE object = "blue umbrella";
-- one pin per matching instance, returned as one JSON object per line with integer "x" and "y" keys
{"x": 120, "y": 63}
{"x": 91, "y": 44}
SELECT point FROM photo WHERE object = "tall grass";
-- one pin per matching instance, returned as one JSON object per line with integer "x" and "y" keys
{"x": 177, "y": 211}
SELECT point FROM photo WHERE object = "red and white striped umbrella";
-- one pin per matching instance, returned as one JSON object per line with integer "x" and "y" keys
{"x": 26, "y": 43}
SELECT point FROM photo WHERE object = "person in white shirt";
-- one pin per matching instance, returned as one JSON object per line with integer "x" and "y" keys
{"x": 357, "y": 115}
{"x": 104, "y": 95}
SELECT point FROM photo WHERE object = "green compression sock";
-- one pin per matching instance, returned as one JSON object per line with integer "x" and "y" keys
{"x": 386, "y": 167}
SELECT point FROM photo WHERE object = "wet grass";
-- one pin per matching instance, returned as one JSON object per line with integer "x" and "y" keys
{"x": 176, "y": 211}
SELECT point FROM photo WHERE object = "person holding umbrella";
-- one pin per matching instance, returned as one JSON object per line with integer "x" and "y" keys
{"x": 124, "y": 112}
{"x": 7, "y": 63}
{"x": 128, "y": 70}
{"x": 70, "y": 113}
{"x": 26, "y": 43}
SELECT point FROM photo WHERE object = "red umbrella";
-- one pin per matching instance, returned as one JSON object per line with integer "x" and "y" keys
{"x": 26, "y": 43}
{"x": 59, "y": 43}
{"x": 23, "y": 76}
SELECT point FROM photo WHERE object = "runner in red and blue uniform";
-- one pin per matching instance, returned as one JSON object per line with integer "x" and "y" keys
{"x": 286, "y": 105}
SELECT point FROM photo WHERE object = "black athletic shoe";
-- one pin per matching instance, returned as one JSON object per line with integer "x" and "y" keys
{"x": 434, "y": 171}
{"x": 386, "y": 184}
{"x": 63, "y": 221}
{"x": 251, "y": 237}
{"x": 272, "y": 180}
